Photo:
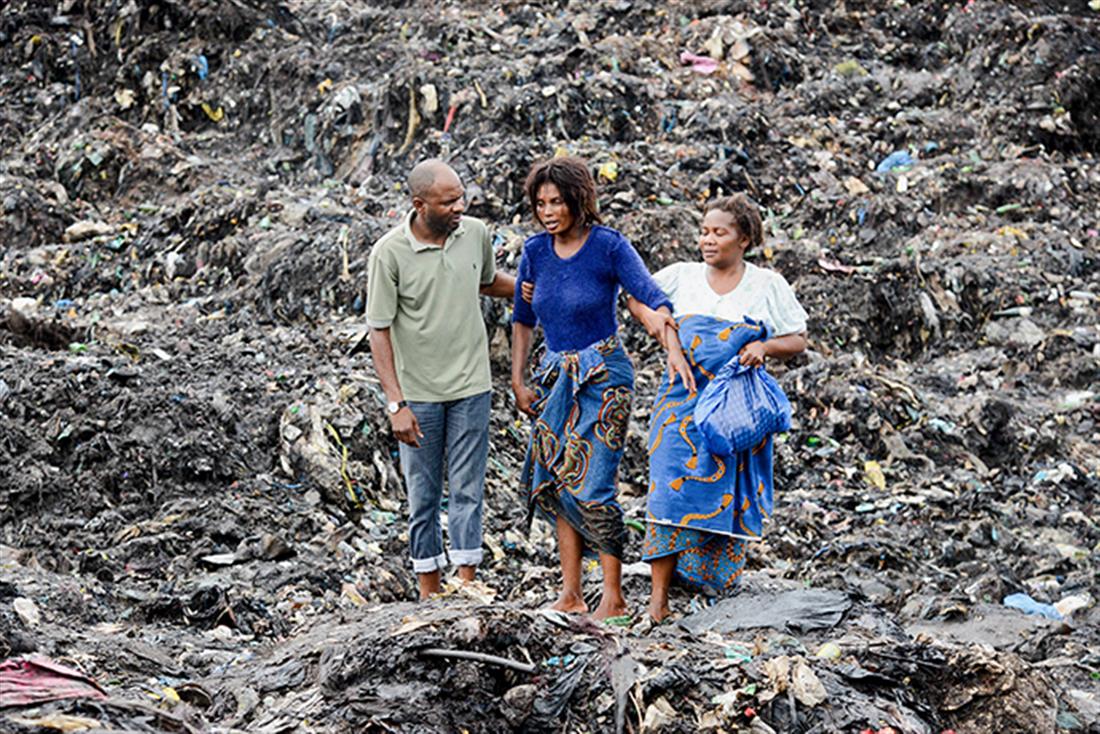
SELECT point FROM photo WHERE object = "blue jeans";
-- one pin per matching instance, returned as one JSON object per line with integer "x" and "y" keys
{"x": 456, "y": 431}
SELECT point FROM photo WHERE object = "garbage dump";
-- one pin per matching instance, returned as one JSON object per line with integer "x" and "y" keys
{"x": 202, "y": 520}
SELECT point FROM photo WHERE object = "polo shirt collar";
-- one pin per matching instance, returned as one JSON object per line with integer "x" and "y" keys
{"x": 419, "y": 246}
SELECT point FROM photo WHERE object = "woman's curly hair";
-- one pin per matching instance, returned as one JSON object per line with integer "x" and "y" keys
{"x": 746, "y": 215}
{"x": 574, "y": 181}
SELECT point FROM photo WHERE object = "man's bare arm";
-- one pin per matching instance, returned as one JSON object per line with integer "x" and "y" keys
{"x": 405, "y": 426}
{"x": 503, "y": 286}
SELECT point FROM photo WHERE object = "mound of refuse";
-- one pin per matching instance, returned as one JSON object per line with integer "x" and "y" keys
{"x": 202, "y": 524}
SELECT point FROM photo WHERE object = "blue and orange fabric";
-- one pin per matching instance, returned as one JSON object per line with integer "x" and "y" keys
{"x": 583, "y": 402}
{"x": 703, "y": 506}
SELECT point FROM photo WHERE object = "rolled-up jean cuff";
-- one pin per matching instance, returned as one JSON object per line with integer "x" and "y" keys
{"x": 427, "y": 565}
{"x": 466, "y": 557}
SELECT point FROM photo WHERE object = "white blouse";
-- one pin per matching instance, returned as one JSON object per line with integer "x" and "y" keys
{"x": 762, "y": 294}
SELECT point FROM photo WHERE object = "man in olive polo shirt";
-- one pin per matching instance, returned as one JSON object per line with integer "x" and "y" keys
{"x": 431, "y": 353}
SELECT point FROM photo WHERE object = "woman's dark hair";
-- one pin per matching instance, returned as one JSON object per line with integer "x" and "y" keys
{"x": 574, "y": 181}
{"x": 746, "y": 215}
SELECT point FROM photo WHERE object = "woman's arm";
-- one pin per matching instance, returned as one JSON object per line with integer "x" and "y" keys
{"x": 653, "y": 321}
{"x": 633, "y": 275}
{"x": 522, "y": 335}
{"x": 753, "y": 354}
{"x": 660, "y": 325}
{"x": 645, "y": 300}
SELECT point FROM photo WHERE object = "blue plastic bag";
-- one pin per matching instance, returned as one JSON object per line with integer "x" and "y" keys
{"x": 741, "y": 407}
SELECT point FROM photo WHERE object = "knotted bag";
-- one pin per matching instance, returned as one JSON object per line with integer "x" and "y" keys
{"x": 741, "y": 407}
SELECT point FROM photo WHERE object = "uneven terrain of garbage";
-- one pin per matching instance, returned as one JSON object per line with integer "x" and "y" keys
{"x": 201, "y": 521}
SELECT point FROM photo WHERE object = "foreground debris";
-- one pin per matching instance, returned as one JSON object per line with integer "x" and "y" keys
{"x": 200, "y": 518}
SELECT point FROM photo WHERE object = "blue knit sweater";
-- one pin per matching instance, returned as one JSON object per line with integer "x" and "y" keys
{"x": 575, "y": 298}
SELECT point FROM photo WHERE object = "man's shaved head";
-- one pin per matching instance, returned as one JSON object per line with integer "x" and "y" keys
{"x": 437, "y": 197}
{"x": 424, "y": 175}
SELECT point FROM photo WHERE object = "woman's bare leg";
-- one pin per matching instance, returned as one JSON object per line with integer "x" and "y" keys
{"x": 612, "y": 603}
{"x": 661, "y": 571}
{"x": 570, "y": 549}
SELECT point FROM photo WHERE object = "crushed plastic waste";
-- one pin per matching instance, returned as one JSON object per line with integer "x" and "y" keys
{"x": 1027, "y": 605}
{"x": 897, "y": 159}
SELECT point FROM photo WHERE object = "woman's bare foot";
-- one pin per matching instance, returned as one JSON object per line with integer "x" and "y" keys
{"x": 609, "y": 608}
{"x": 570, "y": 603}
{"x": 658, "y": 610}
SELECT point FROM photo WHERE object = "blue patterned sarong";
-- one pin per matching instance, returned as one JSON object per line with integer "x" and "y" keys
{"x": 703, "y": 506}
{"x": 583, "y": 401}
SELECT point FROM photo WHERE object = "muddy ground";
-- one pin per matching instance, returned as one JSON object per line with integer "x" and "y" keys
{"x": 199, "y": 504}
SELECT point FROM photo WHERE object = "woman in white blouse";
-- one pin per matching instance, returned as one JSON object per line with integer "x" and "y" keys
{"x": 702, "y": 508}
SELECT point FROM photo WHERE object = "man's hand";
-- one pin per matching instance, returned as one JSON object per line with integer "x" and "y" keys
{"x": 525, "y": 398}
{"x": 527, "y": 289}
{"x": 753, "y": 354}
{"x": 406, "y": 428}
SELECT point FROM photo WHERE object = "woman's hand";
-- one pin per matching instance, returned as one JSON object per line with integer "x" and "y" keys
{"x": 522, "y": 335}
{"x": 655, "y": 322}
{"x": 677, "y": 362}
{"x": 527, "y": 291}
{"x": 678, "y": 367}
{"x": 753, "y": 354}
{"x": 525, "y": 398}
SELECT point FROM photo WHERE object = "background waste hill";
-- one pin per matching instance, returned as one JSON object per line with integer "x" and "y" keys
{"x": 199, "y": 503}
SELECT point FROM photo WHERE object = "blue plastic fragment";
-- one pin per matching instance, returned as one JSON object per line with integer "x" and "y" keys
{"x": 897, "y": 159}
{"x": 1027, "y": 605}
{"x": 669, "y": 120}
{"x": 562, "y": 661}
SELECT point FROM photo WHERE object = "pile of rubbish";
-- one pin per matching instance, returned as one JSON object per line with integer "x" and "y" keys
{"x": 201, "y": 518}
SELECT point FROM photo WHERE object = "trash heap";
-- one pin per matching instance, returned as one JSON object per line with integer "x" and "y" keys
{"x": 201, "y": 522}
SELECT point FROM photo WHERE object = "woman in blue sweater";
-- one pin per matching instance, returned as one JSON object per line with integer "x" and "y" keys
{"x": 582, "y": 387}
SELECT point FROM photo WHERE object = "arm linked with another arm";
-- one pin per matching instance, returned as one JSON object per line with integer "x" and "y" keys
{"x": 661, "y": 325}
{"x": 502, "y": 286}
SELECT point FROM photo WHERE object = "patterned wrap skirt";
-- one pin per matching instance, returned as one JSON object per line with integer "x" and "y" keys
{"x": 583, "y": 404}
{"x": 701, "y": 506}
